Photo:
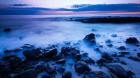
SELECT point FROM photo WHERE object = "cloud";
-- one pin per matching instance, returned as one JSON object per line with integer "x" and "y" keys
{"x": 86, "y": 8}
{"x": 21, "y": 5}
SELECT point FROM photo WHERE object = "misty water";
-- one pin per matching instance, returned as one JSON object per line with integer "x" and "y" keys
{"x": 42, "y": 31}
{"x": 31, "y": 30}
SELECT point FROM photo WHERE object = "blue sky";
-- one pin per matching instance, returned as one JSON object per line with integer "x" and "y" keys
{"x": 64, "y": 3}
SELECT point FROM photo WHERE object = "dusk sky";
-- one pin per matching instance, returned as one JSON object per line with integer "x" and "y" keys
{"x": 64, "y": 3}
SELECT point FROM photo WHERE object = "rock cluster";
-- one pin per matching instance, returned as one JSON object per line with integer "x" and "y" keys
{"x": 53, "y": 61}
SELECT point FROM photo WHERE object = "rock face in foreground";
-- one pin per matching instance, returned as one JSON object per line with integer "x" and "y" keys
{"x": 81, "y": 67}
{"x": 119, "y": 71}
{"x": 95, "y": 74}
{"x": 132, "y": 40}
{"x": 90, "y": 38}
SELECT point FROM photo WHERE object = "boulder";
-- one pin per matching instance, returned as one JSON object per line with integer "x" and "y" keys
{"x": 46, "y": 76}
{"x": 69, "y": 51}
{"x": 81, "y": 67}
{"x": 7, "y": 30}
{"x": 114, "y": 35}
{"x": 122, "y": 48}
{"x": 138, "y": 54}
{"x": 61, "y": 61}
{"x": 5, "y": 70}
{"x": 90, "y": 38}
{"x": 13, "y": 61}
{"x": 122, "y": 54}
{"x": 51, "y": 53}
{"x": 31, "y": 73}
{"x": 67, "y": 75}
{"x": 132, "y": 40}
{"x": 85, "y": 58}
{"x": 106, "y": 58}
{"x": 134, "y": 58}
{"x": 118, "y": 70}
{"x": 95, "y": 74}
{"x": 32, "y": 54}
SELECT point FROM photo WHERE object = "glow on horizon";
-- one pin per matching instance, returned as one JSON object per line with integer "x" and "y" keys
{"x": 68, "y": 3}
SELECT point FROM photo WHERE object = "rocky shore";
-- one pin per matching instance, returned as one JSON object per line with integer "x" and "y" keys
{"x": 108, "y": 20}
{"x": 67, "y": 61}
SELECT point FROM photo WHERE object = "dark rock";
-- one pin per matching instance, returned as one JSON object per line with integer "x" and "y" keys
{"x": 50, "y": 69}
{"x": 5, "y": 70}
{"x": 114, "y": 35}
{"x": 122, "y": 48}
{"x": 61, "y": 61}
{"x": 110, "y": 45}
{"x": 90, "y": 38}
{"x": 86, "y": 59}
{"x": 51, "y": 53}
{"x": 7, "y": 30}
{"x": 108, "y": 41}
{"x": 32, "y": 54}
{"x": 27, "y": 47}
{"x": 27, "y": 74}
{"x": 138, "y": 54}
{"x": 12, "y": 60}
{"x": 95, "y": 74}
{"x": 41, "y": 68}
{"x": 67, "y": 75}
{"x": 81, "y": 67}
{"x": 132, "y": 40}
{"x": 106, "y": 58}
{"x": 77, "y": 57}
{"x": 69, "y": 51}
{"x": 97, "y": 49}
{"x": 134, "y": 58}
{"x": 122, "y": 54}
{"x": 60, "y": 69}
{"x": 118, "y": 70}
{"x": 15, "y": 50}
{"x": 46, "y": 76}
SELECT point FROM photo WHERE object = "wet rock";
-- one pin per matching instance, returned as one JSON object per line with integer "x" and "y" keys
{"x": 134, "y": 58}
{"x": 67, "y": 75}
{"x": 106, "y": 58}
{"x": 69, "y": 51}
{"x": 114, "y": 35}
{"x": 5, "y": 70}
{"x": 86, "y": 59}
{"x": 50, "y": 69}
{"x": 61, "y": 61}
{"x": 90, "y": 38}
{"x": 28, "y": 47}
{"x": 138, "y": 54}
{"x": 95, "y": 74}
{"x": 12, "y": 60}
{"x": 60, "y": 69}
{"x": 51, "y": 53}
{"x": 132, "y": 40}
{"x": 15, "y": 50}
{"x": 32, "y": 54}
{"x": 46, "y": 76}
{"x": 122, "y": 54}
{"x": 27, "y": 74}
{"x": 7, "y": 30}
{"x": 41, "y": 68}
{"x": 122, "y": 48}
{"x": 118, "y": 70}
{"x": 110, "y": 45}
{"x": 81, "y": 67}
{"x": 77, "y": 57}
{"x": 108, "y": 41}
